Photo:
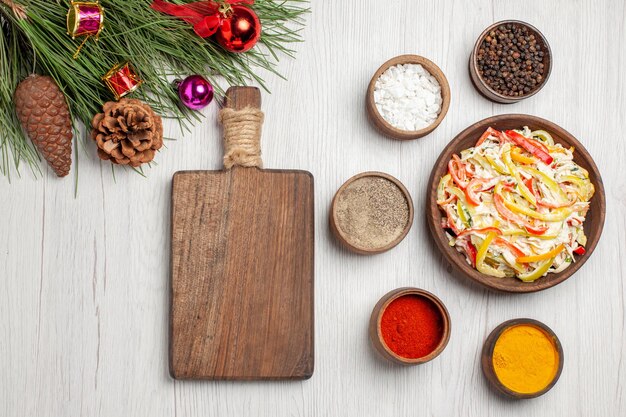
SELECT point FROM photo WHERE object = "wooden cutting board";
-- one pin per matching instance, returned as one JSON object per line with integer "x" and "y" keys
{"x": 242, "y": 270}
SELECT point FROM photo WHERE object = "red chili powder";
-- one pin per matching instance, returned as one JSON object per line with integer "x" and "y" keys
{"x": 412, "y": 326}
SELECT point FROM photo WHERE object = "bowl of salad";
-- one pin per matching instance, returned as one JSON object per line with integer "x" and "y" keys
{"x": 516, "y": 203}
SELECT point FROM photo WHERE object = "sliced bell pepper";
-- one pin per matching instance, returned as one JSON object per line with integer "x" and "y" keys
{"x": 535, "y": 258}
{"x": 471, "y": 251}
{"x": 517, "y": 156}
{"x": 509, "y": 215}
{"x": 480, "y": 160}
{"x": 543, "y": 136}
{"x": 580, "y": 250}
{"x": 584, "y": 187}
{"x": 514, "y": 249}
{"x": 500, "y": 169}
{"x": 537, "y": 272}
{"x": 545, "y": 179}
{"x": 457, "y": 171}
{"x": 556, "y": 215}
{"x": 489, "y": 132}
{"x": 524, "y": 191}
{"x": 444, "y": 182}
{"x": 480, "y": 258}
{"x": 536, "y": 148}
{"x": 465, "y": 216}
{"x": 477, "y": 185}
{"x": 520, "y": 232}
{"x": 480, "y": 230}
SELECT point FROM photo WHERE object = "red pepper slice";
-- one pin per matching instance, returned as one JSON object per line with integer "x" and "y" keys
{"x": 580, "y": 250}
{"x": 475, "y": 186}
{"x": 458, "y": 172}
{"x": 503, "y": 242}
{"x": 472, "y": 252}
{"x": 537, "y": 149}
{"x": 489, "y": 132}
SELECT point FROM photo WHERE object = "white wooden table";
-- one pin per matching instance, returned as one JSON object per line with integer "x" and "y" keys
{"x": 83, "y": 281}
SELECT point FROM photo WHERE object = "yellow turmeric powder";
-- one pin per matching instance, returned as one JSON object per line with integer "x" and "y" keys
{"x": 525, "y": 359}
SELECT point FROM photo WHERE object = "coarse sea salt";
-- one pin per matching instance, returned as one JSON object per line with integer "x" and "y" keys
{"x": 408, "y": 97}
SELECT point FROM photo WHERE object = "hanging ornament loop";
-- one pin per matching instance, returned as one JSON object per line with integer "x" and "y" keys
{"x": 225, "y": 9}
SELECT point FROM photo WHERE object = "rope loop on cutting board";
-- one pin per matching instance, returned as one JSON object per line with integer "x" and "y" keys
{"x": 242, "y": 137}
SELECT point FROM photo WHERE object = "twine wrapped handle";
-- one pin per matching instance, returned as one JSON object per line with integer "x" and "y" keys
{"x": 242, "y": 119}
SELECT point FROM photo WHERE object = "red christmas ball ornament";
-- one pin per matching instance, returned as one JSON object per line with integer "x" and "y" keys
{"x": 240, "y": 30}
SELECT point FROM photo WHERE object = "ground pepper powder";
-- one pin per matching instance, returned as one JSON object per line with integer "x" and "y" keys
{"x": 412, "y": 326}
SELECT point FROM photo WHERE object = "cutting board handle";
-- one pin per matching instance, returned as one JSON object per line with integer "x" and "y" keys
{"x": 242, "y": 119}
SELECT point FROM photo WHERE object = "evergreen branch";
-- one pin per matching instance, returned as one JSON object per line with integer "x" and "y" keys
{"x": 160, "y": 47}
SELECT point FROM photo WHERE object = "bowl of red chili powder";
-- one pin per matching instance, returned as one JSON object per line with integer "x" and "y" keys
{"x": 409, "y": 326}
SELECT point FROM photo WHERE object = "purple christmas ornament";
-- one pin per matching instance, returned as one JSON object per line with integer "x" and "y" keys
{"x": 195, "y": 92}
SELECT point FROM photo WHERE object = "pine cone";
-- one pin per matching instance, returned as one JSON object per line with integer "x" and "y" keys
{"x": 43, "y": 113}
{"x": 128, "y": 132}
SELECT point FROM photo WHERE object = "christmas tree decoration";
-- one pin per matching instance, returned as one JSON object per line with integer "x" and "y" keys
{"x": 122, "y": 80}
{"x": 34, "y": 38}
{"x": 127, "y": 132}
{"x": 84, "y": 19}
{"x": 236, "y": 28}
{"x": 195, "y": 92}
{"x": 44, "y": 115}
{"x": 240, "y": 30}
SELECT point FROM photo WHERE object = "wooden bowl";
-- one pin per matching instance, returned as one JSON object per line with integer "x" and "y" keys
{"x": 593, "y": 224}
{"x": 341, "y": 235}
{"x": 487, "y": 358}
{"x": 484, "y": 89}
{"x": 377, "y": 339}
{"x": 385, "y": 127}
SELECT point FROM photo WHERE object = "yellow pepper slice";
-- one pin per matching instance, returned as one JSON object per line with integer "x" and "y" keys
{"x": 536, "y": 258}
{"x": 482, "y": 253}
{"x": 556, "y": 215}
{"x": 460, "y": 209}
{"x": 441, "y": 188}
{"x": 482, "y": 161}
{"x": 520, "y": 232}
{"x": 537, "y": 272}
{"x": 499, "y": 168}
{"x": 543, "y": 136}
{"x": 506, "y": 157}
{"x": 517, "y": 156}
{"x": 585, "y": 188}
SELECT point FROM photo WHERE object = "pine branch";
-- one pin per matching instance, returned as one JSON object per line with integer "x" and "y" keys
{"x": 160, "y": 47}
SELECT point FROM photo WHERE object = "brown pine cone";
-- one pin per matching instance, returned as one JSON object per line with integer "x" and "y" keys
{"x": 128, "y": 132}
{"x": 44, "y": 115}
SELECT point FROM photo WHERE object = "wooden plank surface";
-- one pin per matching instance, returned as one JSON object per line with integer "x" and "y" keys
{"x": 84, "y": 282}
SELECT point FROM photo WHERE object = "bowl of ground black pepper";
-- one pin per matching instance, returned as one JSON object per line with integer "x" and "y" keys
{"x": 511, "y": 61}
{"x": 371, "y": 213}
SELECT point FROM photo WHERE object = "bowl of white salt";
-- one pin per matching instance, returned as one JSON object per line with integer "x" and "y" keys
{"x": 408, "y": 97}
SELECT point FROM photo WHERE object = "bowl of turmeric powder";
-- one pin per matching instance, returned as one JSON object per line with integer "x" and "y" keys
{"x": 522, "y": 358}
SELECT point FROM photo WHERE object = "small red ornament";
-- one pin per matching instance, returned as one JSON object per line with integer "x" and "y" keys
{"x": 239, "y": 30}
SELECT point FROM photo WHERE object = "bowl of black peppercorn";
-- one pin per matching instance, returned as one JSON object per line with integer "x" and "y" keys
{"x": 511, "y": 61}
